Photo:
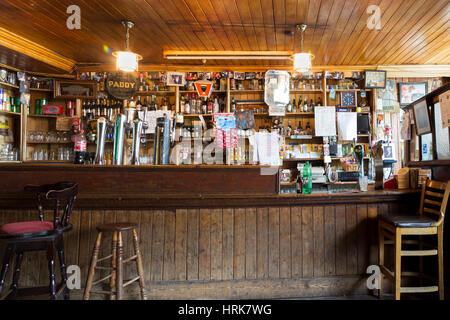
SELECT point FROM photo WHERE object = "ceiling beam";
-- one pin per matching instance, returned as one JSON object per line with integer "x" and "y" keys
{"x": 17, "y": 43}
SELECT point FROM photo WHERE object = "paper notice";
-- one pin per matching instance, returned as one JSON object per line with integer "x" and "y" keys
{"x": 325, "y": 121}
{"x": 268, "y": 148}
{"x": 444, "y": 100}
{"x": 347, "y": 125}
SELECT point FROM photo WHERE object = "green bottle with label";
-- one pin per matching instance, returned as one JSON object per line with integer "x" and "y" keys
{"x": 307, "y": 179}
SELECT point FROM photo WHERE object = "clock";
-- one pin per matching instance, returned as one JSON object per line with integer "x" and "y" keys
{"x": 348, "y": 99}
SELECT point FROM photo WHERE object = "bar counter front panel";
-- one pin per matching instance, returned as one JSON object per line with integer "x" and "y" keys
{"x": 239, "y": 240}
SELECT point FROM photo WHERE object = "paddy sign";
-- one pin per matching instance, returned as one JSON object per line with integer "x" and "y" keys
{"x": 121, "y": 85}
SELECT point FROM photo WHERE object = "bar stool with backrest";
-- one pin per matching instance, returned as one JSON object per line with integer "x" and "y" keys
{"x": 40, "y": 235}
{"x": 429, "y": 221}
{"x": 116, "y": 281}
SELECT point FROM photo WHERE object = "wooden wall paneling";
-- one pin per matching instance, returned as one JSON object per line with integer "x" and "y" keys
{"x": 146, "y": 235}
{"x": 352, "y": 246}
{"x": 262, "y": 249}
{"x": 372, "y": 230}
{"x": 180, "y": 244}
{"x": 156, "y": 270}
{"x": 274, "y": 242}
{"x": 285, "y": 243}
{"x": 250, "y": 243}
{"x": 307, "y": 242}
{"x": 204, "y": 245}
{"x": 341, "y": 241}
{"x": 296, "y": 242}
{"x": 216, "y": 244}
{"x": 228, "y": 243}
{"x": 330, "y": 240}
{"x": 319, "y": 241}
{"x": 169, "y": 245}
{"x": 363, "y": 235}
{"x": 192, "y": 244}
{"x": 239, "y": 244}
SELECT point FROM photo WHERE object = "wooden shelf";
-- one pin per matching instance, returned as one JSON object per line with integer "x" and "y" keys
{"x": 197, "y": 115}
{"x": 9, "y": 113}
{"x": 48, "y": 142}
{"x": 45, "y": 116}
{"x": 8, "y": 85}
{"x": 305, "y": 90}
{"x": 193, "y": 91}
{"x": 39, "y": 89}
{"x": 149, "y": 93}
{"x": 246, "y": 91}
{"x": 356, "y": 90}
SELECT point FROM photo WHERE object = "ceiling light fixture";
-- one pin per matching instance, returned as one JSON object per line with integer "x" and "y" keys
{"x": 126, "y": 60}
{"x": 302, "y": 60}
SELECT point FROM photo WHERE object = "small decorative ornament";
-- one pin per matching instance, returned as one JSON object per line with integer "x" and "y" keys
{"x": 204, "y": 88}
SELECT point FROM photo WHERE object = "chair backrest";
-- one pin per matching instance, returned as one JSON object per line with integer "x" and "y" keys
{"x": 434, "y": 199}
{"x": 64, "y": 195}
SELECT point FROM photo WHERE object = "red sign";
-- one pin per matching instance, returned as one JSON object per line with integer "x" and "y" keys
{"x": 204, "y": 88}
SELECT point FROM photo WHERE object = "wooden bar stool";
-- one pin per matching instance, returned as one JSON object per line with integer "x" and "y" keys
{"x": 116, "y": 282}
{"x": 21, "y": 237}
{"x": 428, "y": 221}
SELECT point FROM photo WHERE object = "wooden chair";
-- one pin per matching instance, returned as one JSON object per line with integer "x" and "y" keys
{"x": 428, "y": 221}
{"x": 116, "y": 281}
{"x": 39, "y": 235}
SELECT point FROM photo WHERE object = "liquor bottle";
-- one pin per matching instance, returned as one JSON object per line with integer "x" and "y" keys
{"x": 308, "y": 129}
{"x": 187, "y": 106}
{"x": 294, "y": 106}
{"x": 311, "y": 106}
{"x": 216, "y": 106}
{"x": 182, "y": 104}
{"x": 84, "y": 109}
{"x": 307, "y": 179}
{"x": 289, "y": 129}
{"x": 300, "y": 105}
{"x": 299, "y": 183}
{"x": 153, "y": 107}
{"x": 233, "y": 105}
{"x": 300, "y": 129}
{"x": 138, "y": 104}
{"x": 305, "y": 105}
{"x": 289, "y": 107}
{"x": 98, "y": 107}
{"x": 204, "y": 108}
{"x": 79, "y": 148}
{"x": 319, "y": 102}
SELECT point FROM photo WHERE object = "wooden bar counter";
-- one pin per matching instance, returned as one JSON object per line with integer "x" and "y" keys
{"x": 212, "y": 231}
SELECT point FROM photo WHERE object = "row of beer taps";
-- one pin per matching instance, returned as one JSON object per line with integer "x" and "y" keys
{"x": 122, "y": 125}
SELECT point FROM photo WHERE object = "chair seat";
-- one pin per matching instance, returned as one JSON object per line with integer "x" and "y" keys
{"x": 408, "y": 221}
{"x": 26, "y": 227}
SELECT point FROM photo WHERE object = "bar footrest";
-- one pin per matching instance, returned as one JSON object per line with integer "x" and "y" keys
{"x": 419, "y": 289}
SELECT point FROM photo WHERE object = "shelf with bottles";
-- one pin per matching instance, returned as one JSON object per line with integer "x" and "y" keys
{"x": 9, "y": 85}
{"x": 9, "y": 113}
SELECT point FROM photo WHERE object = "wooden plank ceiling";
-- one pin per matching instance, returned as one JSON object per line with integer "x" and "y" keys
{"x": 412, "y": 31}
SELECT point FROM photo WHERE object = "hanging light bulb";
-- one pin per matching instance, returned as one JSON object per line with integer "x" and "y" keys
{"x": 302, "y": 60}
{"x": 126, "y": 60}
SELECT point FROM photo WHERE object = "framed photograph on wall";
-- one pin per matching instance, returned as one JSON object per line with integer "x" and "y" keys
{"x": 175, "y": 78}
{"x": 422, "y": 118}
{"x": 410, "y": 92}
{"x": 375, "y": 79}
{"x": 75, "y": 89}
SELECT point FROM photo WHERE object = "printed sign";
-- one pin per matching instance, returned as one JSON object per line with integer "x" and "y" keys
{"x": 121, "y": 85}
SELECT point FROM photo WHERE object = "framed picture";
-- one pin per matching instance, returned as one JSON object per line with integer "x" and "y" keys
{"x": 410, "y": 92}
{"x": 422, "y": 118}
{"x": 348, "y": 99}
{"x": 239, "y": 75}
{"x": 75, "y": 89}
{"x": 375, "y": 79}
{"x": 175, "y": 78}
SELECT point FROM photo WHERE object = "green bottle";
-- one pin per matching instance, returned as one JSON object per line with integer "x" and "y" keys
{"x": 307, "y": 179}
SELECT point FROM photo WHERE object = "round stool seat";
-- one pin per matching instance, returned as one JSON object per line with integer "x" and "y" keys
{"x": 121, "y": 226}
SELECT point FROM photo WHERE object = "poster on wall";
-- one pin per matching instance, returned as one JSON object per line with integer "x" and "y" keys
{"x": 389, "y": 96}
{"x": 410, "y": 92}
